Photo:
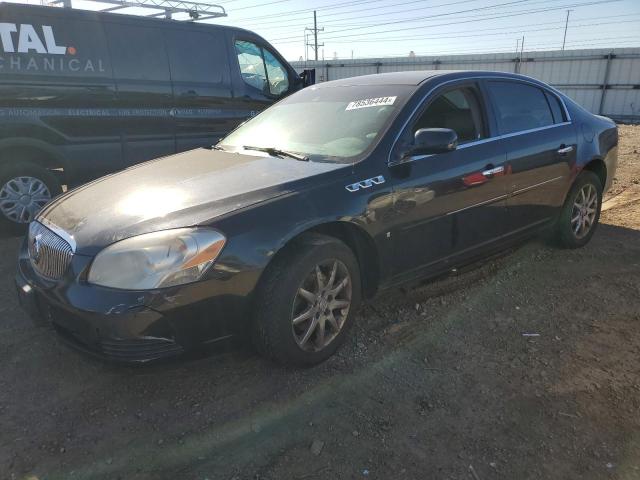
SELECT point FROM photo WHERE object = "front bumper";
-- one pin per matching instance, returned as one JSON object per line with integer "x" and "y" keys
{"x": 130, "y": 326}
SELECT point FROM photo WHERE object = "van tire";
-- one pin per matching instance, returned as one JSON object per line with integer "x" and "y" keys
{"x": 17, "y": 177}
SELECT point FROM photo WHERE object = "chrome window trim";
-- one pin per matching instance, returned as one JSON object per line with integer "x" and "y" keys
{"x": 60, "y": 232}
{"x": 482, "y": 140}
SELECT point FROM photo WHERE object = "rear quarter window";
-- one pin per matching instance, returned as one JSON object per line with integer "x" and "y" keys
{"x": 556, "y": 108}
{"x": 519, "y": 106}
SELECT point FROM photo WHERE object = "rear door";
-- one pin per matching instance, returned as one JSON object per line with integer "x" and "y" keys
{"x": 541, "y": 150}
{"x": 260, "y": 75}
{"x": 451, "y": 204}
{"x": 204, "y": 108}
{"x": 144, "y": 94}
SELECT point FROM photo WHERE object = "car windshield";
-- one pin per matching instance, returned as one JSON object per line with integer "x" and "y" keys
{"x": 324, "y": 124}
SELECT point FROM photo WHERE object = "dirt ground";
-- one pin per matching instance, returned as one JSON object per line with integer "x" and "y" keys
{"x": 438, "y": 382}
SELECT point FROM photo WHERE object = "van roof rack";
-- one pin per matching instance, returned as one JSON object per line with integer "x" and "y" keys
{"x": 197, "y": 11}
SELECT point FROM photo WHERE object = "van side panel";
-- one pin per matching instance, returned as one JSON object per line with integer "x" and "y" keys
{"x": 144, "y": 95}
{"x": 204, "y": 109}
{"x": 58, "y": 88}
{"x": 95, "y": 92}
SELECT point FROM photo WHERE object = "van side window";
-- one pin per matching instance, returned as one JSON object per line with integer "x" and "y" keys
{"x": 519, "y": 107}
{"x": 260, "y": 69}
{"x": 137, "y": 53}
{"x": 196, "y": 57}
{"x": 456, "y": 109}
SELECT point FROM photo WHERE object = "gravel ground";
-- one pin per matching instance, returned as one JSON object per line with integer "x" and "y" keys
{"x": 437, "y": 382}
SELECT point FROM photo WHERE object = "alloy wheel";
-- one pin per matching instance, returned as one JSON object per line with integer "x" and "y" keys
{"x": 321, "y": 305}
{"x": 585, "y": 207}
{"x": 21, "y": 198}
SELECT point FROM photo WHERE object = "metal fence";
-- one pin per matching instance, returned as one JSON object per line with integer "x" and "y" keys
{"x": 604, "y": 81}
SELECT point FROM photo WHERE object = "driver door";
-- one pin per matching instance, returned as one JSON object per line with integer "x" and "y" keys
{"x": 449, "y": 204}
{"x": 262, "y": 78}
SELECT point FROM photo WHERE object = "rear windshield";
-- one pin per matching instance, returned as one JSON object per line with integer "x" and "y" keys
{"x": 327, "y": 124}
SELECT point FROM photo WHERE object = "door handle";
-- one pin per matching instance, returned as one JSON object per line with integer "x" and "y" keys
{"x": 564, "y": 150}
{"x": 490, "y": 172}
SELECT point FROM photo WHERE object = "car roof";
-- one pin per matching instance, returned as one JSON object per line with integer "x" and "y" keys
{"x": 416, "y": 78}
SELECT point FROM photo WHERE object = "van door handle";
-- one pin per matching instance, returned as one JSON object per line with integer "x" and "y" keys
{"x": 564, "y": 150}
{"x": 490, "y": 172}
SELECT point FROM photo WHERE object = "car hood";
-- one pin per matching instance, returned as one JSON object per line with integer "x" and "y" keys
{"x": 187, "y": 189}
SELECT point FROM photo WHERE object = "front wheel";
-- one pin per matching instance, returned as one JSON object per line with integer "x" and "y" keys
{"x": 306, "y": 302}
{"x": 581, "y": 211}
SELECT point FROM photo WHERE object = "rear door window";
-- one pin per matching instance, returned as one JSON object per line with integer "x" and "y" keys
{"x": 197, "y": 57}
{"x": 519, "y": 106}
{"x": 261, "y": 69}
{"x": 137, "y": 53}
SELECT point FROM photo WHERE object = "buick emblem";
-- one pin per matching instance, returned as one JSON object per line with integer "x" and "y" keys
{"x": 35, "y": 244}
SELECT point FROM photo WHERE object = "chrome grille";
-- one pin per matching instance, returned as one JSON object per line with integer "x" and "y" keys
{"x": 50, "y": 254}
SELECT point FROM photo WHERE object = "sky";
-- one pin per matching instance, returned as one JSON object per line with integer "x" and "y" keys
{"x": 386, "y": 28}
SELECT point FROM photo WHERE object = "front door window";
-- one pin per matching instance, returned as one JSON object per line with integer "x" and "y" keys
{"x": 261, "y": 69}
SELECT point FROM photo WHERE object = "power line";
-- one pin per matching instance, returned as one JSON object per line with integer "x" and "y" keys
{"x": 510, "y": 32}
{"x": 332, "y": 6}
{"x": 395, "y": 22}
{"x": 260, "y": 5}
{"x": 342, "y": 18}
{"x": 327, "y": 23}
{"x": 284, "y": 40}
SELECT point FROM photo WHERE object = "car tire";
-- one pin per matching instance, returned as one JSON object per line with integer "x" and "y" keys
{"x": 24, "y": 180}
{"x": 306, "y": 301}
{"x": 581, "y": 211}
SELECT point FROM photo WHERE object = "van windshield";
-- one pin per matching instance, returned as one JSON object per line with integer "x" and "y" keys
{"x": 324, "y": 124}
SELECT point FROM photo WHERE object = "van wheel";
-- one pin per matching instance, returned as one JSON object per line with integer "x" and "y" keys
{"x": 306, "y": 302}
{"x": 24, "y": 189}
{"x": 581, "y": 211}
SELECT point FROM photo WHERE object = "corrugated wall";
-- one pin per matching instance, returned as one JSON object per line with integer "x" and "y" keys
{"x": 604, "y": 81}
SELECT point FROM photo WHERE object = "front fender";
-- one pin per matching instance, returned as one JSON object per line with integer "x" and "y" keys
{"x": 257, "y": 234}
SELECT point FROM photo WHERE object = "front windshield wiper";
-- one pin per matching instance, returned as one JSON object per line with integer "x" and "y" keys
{"x": 278, "y": 153}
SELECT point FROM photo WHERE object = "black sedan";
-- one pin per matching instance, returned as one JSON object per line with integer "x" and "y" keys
{"x": 332, "y": 194}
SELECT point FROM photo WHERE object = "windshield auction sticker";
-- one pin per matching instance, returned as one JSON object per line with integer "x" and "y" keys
{"x": 370, "y": 102}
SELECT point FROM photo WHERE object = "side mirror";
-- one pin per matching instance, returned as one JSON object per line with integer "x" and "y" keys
{"x": 434, "y": 140}
{"x": 308, "y": 77}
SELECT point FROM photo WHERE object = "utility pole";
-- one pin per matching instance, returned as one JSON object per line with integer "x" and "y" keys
{"x": 315, "y": 31}
{"x": 521, "y": 50}
{"x": 566, "y": 25}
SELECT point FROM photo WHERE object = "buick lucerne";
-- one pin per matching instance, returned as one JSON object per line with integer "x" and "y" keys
{"x": 337, "y": 191}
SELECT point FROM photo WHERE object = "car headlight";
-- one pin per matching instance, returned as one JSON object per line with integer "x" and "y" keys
{"x": 157, "y": 260}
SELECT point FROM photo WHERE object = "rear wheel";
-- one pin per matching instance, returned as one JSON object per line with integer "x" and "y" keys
{"x": 581, "y": 211}
{"x": 306, "y": 301}
{"x": 24, "y": 189}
